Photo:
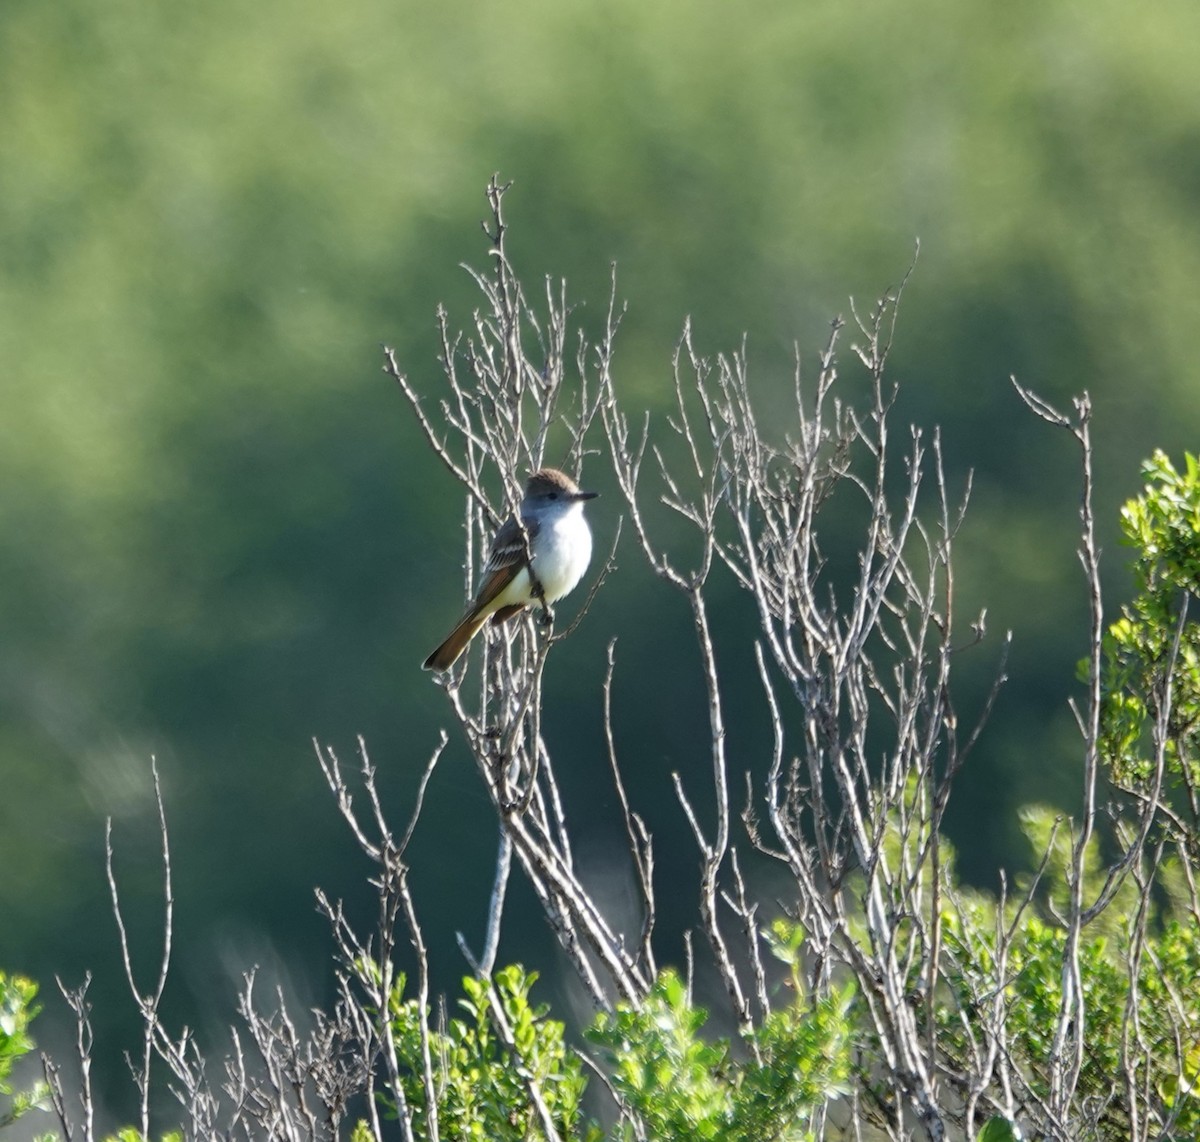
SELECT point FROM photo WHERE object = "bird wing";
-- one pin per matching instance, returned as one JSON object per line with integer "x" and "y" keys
{"x": 506, "y": 558}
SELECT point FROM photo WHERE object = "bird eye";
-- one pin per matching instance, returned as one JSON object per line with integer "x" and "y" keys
{"x": 552, "y": 495}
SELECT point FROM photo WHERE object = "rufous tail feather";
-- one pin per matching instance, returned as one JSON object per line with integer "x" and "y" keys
{"x": 448, "y": 653}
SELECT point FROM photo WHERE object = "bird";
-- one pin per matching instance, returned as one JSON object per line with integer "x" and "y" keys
{"x": 559, "y": 551}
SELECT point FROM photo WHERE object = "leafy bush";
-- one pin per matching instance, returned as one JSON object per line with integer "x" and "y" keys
{"x": 18, "y": 1008}
{"x": 484, "y": 1087}
{"x": 674, "y": 1084}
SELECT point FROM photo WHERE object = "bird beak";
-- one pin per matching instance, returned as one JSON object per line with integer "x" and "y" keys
{"x": 586, "y": 495}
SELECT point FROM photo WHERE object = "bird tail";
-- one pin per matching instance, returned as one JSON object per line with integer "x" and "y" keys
{"x": 449, "y": 652}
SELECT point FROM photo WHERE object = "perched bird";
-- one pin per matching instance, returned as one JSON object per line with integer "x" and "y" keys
{"x": 560, "y": 548}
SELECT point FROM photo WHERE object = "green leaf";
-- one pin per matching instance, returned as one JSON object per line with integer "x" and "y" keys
{"x": 1000, "y": 1129}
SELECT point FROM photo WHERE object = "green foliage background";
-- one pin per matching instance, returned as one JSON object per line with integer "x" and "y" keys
{"x": 213, "y": 215}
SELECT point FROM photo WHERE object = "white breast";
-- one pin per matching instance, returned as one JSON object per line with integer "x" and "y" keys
{"x": 561, "y": 553}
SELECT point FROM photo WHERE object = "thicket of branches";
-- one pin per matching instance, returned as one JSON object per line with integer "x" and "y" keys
{"x": 877, "y": 998}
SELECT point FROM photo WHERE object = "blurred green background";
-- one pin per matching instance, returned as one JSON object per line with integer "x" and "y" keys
{"x": 212, "y": 215}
